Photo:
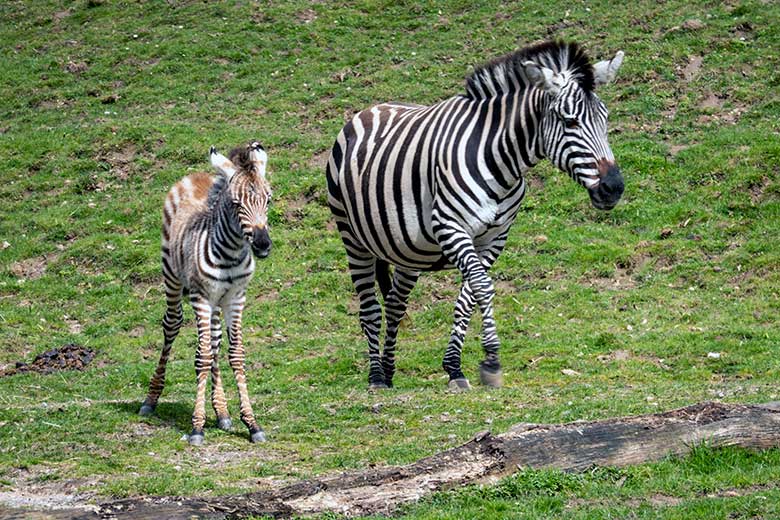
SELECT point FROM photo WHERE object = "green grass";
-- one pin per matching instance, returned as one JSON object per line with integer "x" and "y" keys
{"x": 106, "y": 104}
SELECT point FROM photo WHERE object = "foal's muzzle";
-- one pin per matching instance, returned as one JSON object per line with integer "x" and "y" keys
{"x": 261, "y": 242}
{"x": 608, "y": 191}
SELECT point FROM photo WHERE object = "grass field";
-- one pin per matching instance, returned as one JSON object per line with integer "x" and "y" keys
{"x": 106, "y": 104}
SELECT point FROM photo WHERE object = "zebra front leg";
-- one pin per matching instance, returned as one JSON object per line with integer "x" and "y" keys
{"x": 457, "y": 245}
{"x": 237, "y": 356}
{"x": 464, "y": 307}
{"x": 395, "y": 308}
{"x": 203, "y": 362}
{"x": 171, "y": 325}
{"x": 363, "y": 273}
{"x": 218, "y": 401}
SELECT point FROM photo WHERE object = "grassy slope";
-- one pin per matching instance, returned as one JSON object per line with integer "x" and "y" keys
{"x": 105, "y": 105}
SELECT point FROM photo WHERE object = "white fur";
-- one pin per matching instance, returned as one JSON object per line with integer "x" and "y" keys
{"x": 260, "y": 160}
{"x": 222, "y": 164}
{"x": 605, "y": 71}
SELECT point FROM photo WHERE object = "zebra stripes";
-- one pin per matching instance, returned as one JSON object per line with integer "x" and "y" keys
{"x": 434, "y": 187}
{"x": 212, "y": 227}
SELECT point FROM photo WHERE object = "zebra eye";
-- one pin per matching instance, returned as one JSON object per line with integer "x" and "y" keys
{"x": 571, "y": 122}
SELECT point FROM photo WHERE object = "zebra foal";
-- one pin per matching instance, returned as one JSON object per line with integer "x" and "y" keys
{"x": 426, "y": 188}
{"x": 213, "y": 227}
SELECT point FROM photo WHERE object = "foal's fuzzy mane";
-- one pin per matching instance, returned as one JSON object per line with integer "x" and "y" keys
{"x": 241, "y": 159}
{"x": 506, "y": 74}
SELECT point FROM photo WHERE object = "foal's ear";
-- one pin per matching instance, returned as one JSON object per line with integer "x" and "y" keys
{"x": 222, "y": 164}
{"x": 258, "y": 157}
{"x": 605, "y": 71}
{"x": 543, "y": 78}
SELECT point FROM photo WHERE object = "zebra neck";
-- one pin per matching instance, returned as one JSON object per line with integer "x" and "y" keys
{"x": 226, "y": 241}
{"x": 513, "y": 145}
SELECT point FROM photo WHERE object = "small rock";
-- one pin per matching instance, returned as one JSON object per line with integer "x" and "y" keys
{"x": 713, "y": 355}
{"x": 620, "y": 355}
{"x": 6, "y": 245}
{"x": 666, "y": 233}
{"x": 540, "y": 239}
{"x": 376, "y": 407}
{"x": 570, "y": 372}
{"x": 693, "y": 24}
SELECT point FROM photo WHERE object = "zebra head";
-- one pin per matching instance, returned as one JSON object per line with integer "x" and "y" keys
{"x": 249, "y": 192}
{"x": 574, "y": 128}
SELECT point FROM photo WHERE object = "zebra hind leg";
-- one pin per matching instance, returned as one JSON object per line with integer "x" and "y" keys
{"x": 172, "y": 322}
{"x": 395, "y": 308}
{"x": 363, "y": 272}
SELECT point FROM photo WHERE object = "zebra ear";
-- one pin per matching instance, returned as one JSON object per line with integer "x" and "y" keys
{"x": 605, "y": 71}
{"x": 542, "y": 77}
{"x": 222, "y": 164}
{"x": 258, "y": 157}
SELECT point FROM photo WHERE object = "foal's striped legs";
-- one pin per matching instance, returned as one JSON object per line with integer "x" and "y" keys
{"x": 218, "y": 401}
{"x": 237, "y": 356}
{"x": 203, "y": 365}
{"x": 172, "y": 322}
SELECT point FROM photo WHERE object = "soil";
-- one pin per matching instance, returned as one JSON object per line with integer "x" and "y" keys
{"x": 67, "y": 357}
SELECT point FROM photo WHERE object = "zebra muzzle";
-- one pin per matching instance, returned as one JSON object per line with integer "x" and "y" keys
{"x": 261, "y": 242}
{"x": 606, "y": 194}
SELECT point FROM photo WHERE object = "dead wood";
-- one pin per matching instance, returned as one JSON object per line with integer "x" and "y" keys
{"x": 571, "y": 447}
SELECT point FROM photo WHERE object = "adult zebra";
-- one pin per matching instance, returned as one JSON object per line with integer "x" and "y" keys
{"x": 434, "y": 187}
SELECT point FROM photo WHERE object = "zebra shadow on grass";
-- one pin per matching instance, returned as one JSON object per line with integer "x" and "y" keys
{"x": 174, "y": 415}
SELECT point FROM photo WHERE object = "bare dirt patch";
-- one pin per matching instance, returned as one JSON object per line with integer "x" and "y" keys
{"x": 319, "y": 160}
{"x": 76, "y": 67}
{"x": 758, "y": 189}
{"x": 34, "y": 488}
{"x": 32, "y": 268}
{"x": 710, "y": 102}
{"x": 306, "y": 16}
{"x": 295, "y": 207}
{"x": 691, "y": 69}
{"x": 120, "y": 161}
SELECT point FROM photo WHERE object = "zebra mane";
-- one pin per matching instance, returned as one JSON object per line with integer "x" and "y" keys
{"x": 240, "y": 158}
{"x": 216, "y": 190}
{"x": 505, "y": 74}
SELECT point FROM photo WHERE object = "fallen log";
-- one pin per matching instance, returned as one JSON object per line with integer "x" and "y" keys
{"x": 571, "y": 447}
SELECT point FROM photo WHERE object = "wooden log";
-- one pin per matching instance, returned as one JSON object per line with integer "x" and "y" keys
{"x": 570, "y": 447}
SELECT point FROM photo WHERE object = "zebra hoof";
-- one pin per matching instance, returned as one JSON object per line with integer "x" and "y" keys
{"x": 225, "y": 424}
{"x": 459, "y": 385}
{"x": 490, "y": 378}
{"x": 374, "y": 387}
{"x": 195, "y": 439}
{"x": 258, "y": 436}
{"x": 146, "y": 410}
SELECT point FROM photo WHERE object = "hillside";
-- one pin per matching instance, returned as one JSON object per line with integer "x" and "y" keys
{"x": 106, "y": 104}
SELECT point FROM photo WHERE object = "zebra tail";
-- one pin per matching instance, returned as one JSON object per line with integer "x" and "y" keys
{"x": 383, "y": 278}
{"x": 385, "y": 281}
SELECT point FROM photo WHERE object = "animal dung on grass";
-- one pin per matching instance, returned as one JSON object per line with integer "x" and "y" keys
{"x": 67, "y": 357}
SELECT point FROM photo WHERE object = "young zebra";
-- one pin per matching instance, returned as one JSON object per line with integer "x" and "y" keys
{"x": 434, "y": 187}
{"x": 210, "y": 224}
